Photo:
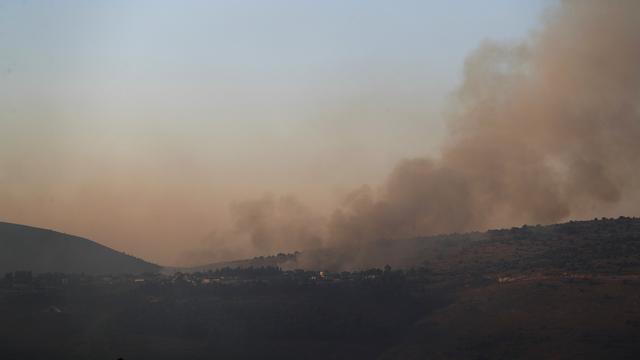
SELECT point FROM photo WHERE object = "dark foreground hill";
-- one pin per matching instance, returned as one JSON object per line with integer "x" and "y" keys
{"x": 40, "y": 250}
{"x": 566, "y": 291}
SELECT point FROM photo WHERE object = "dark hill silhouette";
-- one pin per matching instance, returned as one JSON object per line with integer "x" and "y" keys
{"x": 565, "y": 291}
{"x": 40, "y": 250}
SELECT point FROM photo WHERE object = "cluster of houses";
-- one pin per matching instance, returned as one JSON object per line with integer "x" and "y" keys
{"x": 28, "y": 281}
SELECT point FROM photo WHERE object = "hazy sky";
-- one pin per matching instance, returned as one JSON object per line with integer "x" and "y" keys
{"x": 137, "y": 123}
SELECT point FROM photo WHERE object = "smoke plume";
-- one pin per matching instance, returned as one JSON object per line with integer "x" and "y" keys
{"x": 540, "y": 132}
{"x": 262, "y": 226}
{"x": 276, "y": 224}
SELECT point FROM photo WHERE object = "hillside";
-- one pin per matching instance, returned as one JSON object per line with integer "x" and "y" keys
{"x": 565, "y": 291}
{"x": 595, "y": 246}
{"x": 600, "y": 245}
{"x": 40, "y": 250}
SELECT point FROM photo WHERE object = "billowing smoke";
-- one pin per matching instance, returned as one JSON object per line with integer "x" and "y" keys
{"x": 540, "y": 132}
{"x": 276, "y": 224}
{"x": 262, "y": 226}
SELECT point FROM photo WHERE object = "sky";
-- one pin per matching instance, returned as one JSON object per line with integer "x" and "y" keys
{"x": 139, "y": 123}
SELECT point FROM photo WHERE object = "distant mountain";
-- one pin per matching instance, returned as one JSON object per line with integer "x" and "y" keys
{"x": 40, "y": 250}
